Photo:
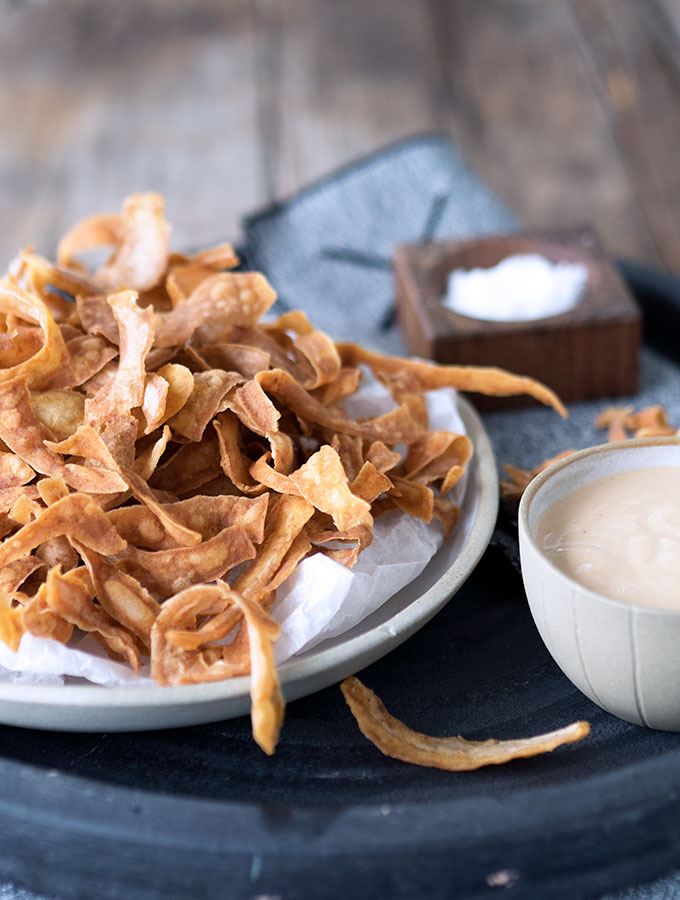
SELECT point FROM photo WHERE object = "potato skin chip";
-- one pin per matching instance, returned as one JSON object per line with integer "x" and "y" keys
{"x": 71, "y": 597}
{"x": 11, "y": 627}
{"x": 40, "y": 367}
{"x": 141, "y": 256}
{"x": 165, "y": 572}
{"x": 77, "y": 516}
{"x": 104, "y": 229}
{"x": 14, "y": 471}
{"x": 322, "y": 481}
{"x": 172, "y": 665}
{"x": 484, "y": 380}
{"x": 87, "y": 355}
{"x": 454, "y": 754}
{"x": 61, "y": 411}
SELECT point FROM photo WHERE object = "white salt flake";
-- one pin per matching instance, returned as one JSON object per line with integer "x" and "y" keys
{"x": 522, "y": 287}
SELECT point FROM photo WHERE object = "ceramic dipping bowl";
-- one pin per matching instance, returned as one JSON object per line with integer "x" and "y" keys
{"x": 623, "y": 657}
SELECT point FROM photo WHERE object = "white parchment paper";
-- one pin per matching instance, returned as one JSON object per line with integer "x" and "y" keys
{"x": 320, "y": 600}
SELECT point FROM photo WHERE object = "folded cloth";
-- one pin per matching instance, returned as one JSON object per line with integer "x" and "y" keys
{"x": 328, "y": 250}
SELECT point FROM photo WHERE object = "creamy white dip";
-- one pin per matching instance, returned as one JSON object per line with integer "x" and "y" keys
{"x": 620, "y": 536}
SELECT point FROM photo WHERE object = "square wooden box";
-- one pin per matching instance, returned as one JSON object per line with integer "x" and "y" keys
{"x": 584, "y": 354}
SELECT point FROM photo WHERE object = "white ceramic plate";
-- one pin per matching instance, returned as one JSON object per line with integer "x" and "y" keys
{"x": 92, "y": 708}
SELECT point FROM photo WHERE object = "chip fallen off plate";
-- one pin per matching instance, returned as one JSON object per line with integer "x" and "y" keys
{"x": 171, "y": 457}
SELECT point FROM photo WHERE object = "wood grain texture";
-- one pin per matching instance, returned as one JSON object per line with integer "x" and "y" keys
{"x": 588, "y": 352}
{"x": 569, "y": 109}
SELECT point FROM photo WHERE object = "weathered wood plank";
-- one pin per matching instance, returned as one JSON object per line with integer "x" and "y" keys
{"x": 634, "y": 65}
{"x": 525, "y": 113}
{"x": 350, "y": 77}
{"x": 224, "y": 104}
{"x": 98, "y": 100}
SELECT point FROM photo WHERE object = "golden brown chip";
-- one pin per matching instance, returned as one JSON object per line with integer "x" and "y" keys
{"x": 76, "y": 516}
{"x": 518, "y": 479}
{"x": 60, "y": 411}
{"x": 219, "y": 303}
{"x": 52, "y": 489}
{"x": 413, "y": 498}
{"x": 203, "y": 404}
{"x": 96, "y": 317}
{"x": 454, "y": 754}
{"x": 11, "y": 627}
{"x": 351, "y": 453}
{"x": 369, "y": 484}
{"x": 481, "y": 379}
{"x": 28, "y": 438}
{"x": 71, "y": 597}
{"x": 652, "y": 421}
{"x": 43, "y": 277}
{"x": 100, "y": 380}
{"x": 25, "y": 510}
{"x": 279, "y": 347}
{"x": 126, "y": 390}
{"x": 247, "y": 361}
{"x": 14, "y": 471}
{"x": 231, "y": 455}
{"x": 41, "y": 621}
{"x": 140, "y": 526}
{"x": 123, "y": 597}
{"x": 405, "y": 389}
{"x": 165, "y": 572}
{"x": 286, "y": 520}
{"x": 180, "y": 387}
{"x": 382, "y": 457}
{"x": 140, "y": 237}
{"x": 315, "y": 346}
{"x": 20, "y": 344}
{"x": 147, "y": 460}
{"x": 102, "y": 230}
{"x": 192, "y": 466}
{"x": 323, "y": 482}
{"x": 396, "y": 427}
{"x": 13, "y": 575}
{"x": 40, "y": 367}
{"x": 171, "y": 664}
{"x": 222, "y": 256}
{"x": 186, "y": 273}
{"x": 257, "y": 412}
{"x": 87, "y": 355}
{"x": 267, "y": 706}
{"x": 153, "y": 406}
{"x": 87, "y": 443}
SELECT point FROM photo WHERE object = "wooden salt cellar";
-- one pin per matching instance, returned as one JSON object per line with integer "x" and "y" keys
{"x": 587, "y": 353}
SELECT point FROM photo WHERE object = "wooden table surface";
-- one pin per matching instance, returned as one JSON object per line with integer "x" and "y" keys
{"x": 569, "y": 108}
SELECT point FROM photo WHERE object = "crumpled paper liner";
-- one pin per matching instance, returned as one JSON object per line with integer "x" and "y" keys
{"x": 320, "y": 600}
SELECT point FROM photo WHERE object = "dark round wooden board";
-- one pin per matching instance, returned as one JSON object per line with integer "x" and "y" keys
{"x": 201, "y": 812}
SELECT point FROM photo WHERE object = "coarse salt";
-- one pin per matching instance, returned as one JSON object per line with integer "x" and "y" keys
{"x": 520, "y": 288}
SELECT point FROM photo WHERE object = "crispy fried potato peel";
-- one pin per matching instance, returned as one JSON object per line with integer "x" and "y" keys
{"x": 454, "y": 754}
{"x": 155, "y": 435}
{"x": 621, "y": 423}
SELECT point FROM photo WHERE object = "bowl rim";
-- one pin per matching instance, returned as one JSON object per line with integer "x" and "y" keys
{"x": 575, "y": 458}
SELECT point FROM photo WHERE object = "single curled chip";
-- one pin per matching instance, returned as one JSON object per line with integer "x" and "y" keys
{"x": 455, "y": 754}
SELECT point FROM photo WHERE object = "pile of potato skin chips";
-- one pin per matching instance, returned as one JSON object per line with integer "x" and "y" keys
{"x": 155, "y": 434}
